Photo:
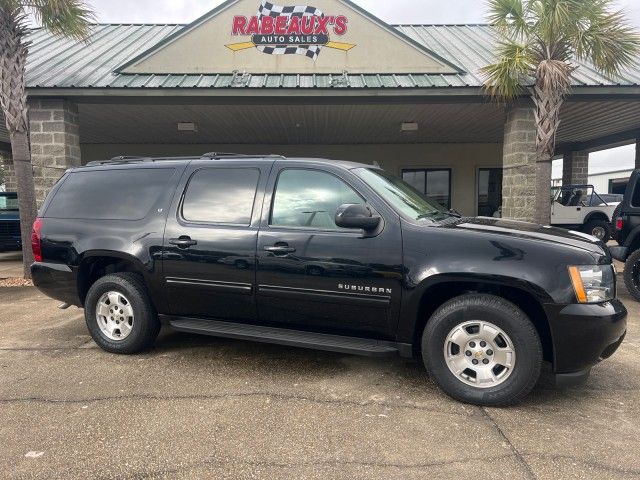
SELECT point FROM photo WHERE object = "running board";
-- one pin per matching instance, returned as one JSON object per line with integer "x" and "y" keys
{"x": 281, "y": 336}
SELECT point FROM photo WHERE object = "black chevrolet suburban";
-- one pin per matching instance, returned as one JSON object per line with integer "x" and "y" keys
{"x": 324, "y": 254}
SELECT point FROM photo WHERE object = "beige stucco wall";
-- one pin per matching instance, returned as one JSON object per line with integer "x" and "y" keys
{"x": 203, "y": 49}
{"x": 463, "y": 159}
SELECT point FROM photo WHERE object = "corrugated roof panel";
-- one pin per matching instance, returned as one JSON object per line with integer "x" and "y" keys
{"x": 60, "y": 62}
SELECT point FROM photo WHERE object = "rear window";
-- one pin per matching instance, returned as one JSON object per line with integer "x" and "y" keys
{"x": 126, "y": 194}
{"x": 635, "y": 200}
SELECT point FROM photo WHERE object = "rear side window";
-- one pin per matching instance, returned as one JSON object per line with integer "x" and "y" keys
{"x": 126, "y": 194}
{"x": 635, "y": 200}
{"x": 221, "y": 195}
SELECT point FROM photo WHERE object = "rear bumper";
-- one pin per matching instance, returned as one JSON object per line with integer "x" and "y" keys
{"x": 583, "y": 335}
{"x": 57, "y": 281}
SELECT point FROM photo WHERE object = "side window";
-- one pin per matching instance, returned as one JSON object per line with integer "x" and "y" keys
{"x": 635, "y": 200}
{"x": 221, "y": 195}
{"x": 309, "y": 199}
{"x": 111, "y": 194}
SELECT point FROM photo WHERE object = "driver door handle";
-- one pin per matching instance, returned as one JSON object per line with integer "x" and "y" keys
{"x": 183, "y": 242}
{"x": 280, "y": 248}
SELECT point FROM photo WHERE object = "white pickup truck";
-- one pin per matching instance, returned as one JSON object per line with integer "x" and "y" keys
{"x": 580, "y": 207}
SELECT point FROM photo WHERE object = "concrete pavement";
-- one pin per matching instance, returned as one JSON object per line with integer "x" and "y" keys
{"x": 198, "y": 407}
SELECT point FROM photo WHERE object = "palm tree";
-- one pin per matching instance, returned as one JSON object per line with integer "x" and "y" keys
{"x": 63, "y": 17}
{"x": 540, "y": 41}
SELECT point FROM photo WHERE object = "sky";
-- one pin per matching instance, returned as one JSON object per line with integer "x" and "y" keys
{"x": 395, "y": 11}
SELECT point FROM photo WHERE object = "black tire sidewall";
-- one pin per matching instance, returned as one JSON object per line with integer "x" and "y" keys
{"x": 145, "y": 324}
{"x": 633, "y": 259}
{"x": 505, "y": 316}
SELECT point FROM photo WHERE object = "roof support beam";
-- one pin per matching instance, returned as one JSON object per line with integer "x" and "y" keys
{"x": 610, "y": 141}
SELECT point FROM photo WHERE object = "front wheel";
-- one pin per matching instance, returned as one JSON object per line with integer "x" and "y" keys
{"x": 632, "y": 274}
{"x": 482, "y": 349}
{"x": 601, "y": 229}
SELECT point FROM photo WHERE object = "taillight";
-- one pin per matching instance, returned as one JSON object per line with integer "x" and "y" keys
{"x": 619, "y": 223}
{"x": 35, "y": 240}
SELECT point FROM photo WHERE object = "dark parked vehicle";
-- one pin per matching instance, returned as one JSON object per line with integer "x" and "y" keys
{"x": 10, "y": 238}
{"x": 325, "y": 254}
{"x": 627, "y": 229}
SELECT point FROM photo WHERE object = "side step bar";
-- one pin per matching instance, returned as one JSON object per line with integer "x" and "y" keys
{"x": 281, "y": 336}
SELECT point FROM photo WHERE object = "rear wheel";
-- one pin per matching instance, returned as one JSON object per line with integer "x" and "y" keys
{"x": 599, "y": 228}
{"x": 119, "y": 314}
{"x": 482, "y": 349}
{"x": 632, "y": 274}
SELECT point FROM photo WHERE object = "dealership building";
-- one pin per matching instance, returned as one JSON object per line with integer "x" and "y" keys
{"x": 327, "y": 79}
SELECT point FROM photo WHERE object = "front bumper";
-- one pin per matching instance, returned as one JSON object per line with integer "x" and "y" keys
{"x": 584, "y": 334}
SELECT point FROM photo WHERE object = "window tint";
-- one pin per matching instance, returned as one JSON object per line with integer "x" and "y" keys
{"x": 309, "y": 199}
{"x": 126, "y": 194}
{"x": 221, "y": 195}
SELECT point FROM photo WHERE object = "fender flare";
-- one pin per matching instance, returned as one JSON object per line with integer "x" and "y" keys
{"x": 597, "y": 213}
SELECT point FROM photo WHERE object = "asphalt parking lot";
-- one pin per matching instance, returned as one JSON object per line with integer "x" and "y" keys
{"x": 197, "y": 407}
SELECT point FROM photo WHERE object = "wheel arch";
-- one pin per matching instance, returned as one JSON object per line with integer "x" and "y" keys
{"x": 597, "y": 215}
{"x": 526, "y": 297}
{"x": 98, "y": 263}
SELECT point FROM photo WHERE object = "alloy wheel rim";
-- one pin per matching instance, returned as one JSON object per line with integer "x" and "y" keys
{"x": 114, "y": 315}
{"x": 598, "y": 232}
{"x": 479, "y": 354}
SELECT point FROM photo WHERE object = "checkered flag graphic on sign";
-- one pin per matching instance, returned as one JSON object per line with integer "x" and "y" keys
{"x": 268, "y": 9}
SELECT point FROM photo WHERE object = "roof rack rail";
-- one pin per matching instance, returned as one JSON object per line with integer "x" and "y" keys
{"x": 120, "y": 159}
{"x": 223, "y": 154}
{"x": 213, "y": 155}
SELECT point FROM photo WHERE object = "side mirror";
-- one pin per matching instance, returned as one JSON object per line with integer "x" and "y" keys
{"x": 356, "y": 216}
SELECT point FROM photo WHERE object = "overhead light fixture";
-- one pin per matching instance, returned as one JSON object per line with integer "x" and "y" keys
{"x": 187, "y": 127}
{"x": 409, "y": 127}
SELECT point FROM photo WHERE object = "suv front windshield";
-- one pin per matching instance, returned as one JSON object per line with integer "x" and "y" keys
{"x": 402, "y": 196}
{"x": 8, "y": 202}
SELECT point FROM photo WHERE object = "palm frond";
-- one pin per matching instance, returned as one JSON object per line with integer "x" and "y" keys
{"x": 607, "y": 41}
{"x": 70, "y": 18}
{"x": 509, "y": 17}
{"x": 515, "y": 66}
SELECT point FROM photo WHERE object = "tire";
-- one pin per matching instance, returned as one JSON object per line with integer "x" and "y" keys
{"x": 594, "y": 227}
{"x": 145, "y": 325}
{"x": 493, "y": 311}
{"x": 632, "y": 275}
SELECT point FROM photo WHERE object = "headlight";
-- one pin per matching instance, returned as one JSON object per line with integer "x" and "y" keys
{"x": 593, "y": 283}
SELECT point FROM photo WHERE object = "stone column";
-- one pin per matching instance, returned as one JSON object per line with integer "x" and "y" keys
{"x": 55, "y": 141}
{"x": 575, "y": 168}
{"x": 519, "y": 165}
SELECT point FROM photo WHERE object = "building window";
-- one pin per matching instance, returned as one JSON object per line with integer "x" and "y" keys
{"x": 489, "y": 191}
{"x": 434, "y": 183}
{"x": 618, "y": 185}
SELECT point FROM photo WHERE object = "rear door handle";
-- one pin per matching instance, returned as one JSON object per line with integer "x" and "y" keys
{"x": 280, "y": 248}
{"x": 183, "y": 242}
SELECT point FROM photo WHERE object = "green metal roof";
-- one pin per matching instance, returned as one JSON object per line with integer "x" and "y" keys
{"x": 56, "y": 62}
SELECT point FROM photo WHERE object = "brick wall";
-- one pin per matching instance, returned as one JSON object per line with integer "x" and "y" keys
{"x": 55, "y": 141}
{"x": 575, "y": 168}
{"x": 519, "y": 163}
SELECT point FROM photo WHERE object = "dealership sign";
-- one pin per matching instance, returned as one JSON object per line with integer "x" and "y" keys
{"x": 290, "y": 30}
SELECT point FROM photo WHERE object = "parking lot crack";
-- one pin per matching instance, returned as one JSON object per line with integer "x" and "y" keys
{"x": 319, "y": 463}
{"x": 530, "y": 473}
{"x": 222, "y": 396}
